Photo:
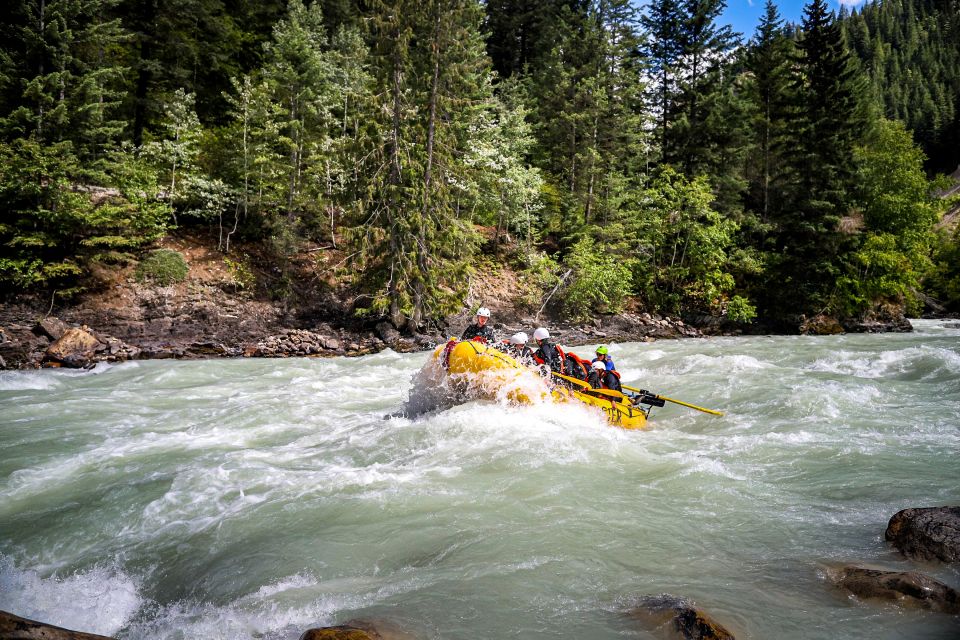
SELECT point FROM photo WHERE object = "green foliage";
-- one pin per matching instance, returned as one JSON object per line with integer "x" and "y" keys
{"x": 885, "y": 271}
{"x": 687, "y": 246}
{"x": 899, "y": 211}
{"x": 739, "y": 309}
{"x": 241, "y": 275}
{"x": 599, "y": 282}
{"x": 896, "y": 195}
{"x": 162, "y": 267}
{"x": 55, "y": 227}
{"x": 908, "y": 52}
{"x": 539, "y": 276}
{"x": 942, "y": 280}
{"x": 719, "y": 176}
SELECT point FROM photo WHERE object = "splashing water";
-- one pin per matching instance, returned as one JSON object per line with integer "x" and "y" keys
{"x": 258, "y": 498}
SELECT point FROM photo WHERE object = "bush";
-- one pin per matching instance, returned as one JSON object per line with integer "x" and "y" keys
{"x": 739, "y": 309}
{"x": 600, "y": 282}
{"x": 163, "y": 267}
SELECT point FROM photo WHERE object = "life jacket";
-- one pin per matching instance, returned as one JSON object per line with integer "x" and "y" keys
{"x": 576, "y": 366}
{"x": 558, "y": 356}
{"x": 616, "y": 386}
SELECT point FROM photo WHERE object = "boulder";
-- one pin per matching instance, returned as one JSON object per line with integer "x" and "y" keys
{"x": 821, "y": 325}
{"x": 907, "y": 588}
{"x": 75, "y": 348}
{"x": 929, "y": 533}
{"x": 16, "y": 628}
{"x": 340, "y": 632}
{"x": 53, "y": 328}
{"x": 679, "y": 616}
{"x": 378, "y": 629}
{"x": 387, "y": 333}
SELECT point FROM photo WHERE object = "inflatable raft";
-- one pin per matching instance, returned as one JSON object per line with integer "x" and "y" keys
{"x": 496, "y": 375}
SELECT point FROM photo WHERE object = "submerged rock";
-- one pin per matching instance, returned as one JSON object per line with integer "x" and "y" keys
{"x": 341, "y": 632}
{"x": 680, "y": 616}
{"x": 379, "y": 629}
{"x": 930, "y": 533}
{"x": 907, "y": 588}
{"x": 16, "y": 628}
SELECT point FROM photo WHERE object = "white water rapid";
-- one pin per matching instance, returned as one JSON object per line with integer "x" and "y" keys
{"x": 258, "y": 498}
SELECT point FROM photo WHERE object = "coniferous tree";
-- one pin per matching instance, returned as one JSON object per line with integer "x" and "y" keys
{"x": 769, "y": 90}
{"x": 63, "y": 76}
{"x": 830, "y": 121}
{"x": 414, "y": 241}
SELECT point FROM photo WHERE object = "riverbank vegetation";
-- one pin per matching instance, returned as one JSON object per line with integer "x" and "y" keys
{"x": 611, "y": 155}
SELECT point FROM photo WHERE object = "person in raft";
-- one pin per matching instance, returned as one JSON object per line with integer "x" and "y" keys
{"x": 480, "y": 330}
{"x": 603, "y": 355}
{"x": 547, "y": 353}
{"x": 517, "y": 347}
{"x": 602, "y": 378}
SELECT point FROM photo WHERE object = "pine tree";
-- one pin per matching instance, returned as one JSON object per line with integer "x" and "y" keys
{"x": 689, "y": 141}
{"x": 830, "y": 123}
{"x": 768, "y": 62}
{"x": 413, "y": 241}
{"x": 63, "y": 74}
{"x": 663, "y": 49}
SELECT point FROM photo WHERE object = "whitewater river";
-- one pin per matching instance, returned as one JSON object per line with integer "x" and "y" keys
{"x": 258, "y": 498}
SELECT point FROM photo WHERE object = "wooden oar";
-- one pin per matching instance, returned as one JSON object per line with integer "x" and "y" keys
{"x": 680, "y": 402}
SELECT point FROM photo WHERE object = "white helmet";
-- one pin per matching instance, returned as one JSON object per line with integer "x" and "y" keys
{"x": 599, "y": 365}
{"x": 518, "y": 338}
{"x": 541, "y": 334}
{"x": 483, "y": 311}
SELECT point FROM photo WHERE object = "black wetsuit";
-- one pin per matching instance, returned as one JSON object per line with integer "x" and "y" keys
{"x": 550, "y": 356}
{"x": 476, "y": 331}
{"x": 604, "y": 380}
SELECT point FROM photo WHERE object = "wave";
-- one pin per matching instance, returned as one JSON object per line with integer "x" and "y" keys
{"x": 99, "y": 600}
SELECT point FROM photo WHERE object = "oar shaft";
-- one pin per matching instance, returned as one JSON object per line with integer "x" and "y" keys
{"x": 680, "y": 402}
{"x": 692, "y": 406}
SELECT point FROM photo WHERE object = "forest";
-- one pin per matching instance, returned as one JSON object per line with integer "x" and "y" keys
{"x": 609, "y": 153}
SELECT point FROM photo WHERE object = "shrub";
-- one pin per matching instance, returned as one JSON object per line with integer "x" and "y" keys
{"x": 599, "y": 281}
{"x": 163, "y": 267}
{"x": 739, "y": 309}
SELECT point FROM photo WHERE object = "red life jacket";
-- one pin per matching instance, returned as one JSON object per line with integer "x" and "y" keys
{"x": 577, "y": 367}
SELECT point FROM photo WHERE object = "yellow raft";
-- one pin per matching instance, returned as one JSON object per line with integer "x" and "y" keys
{"x": 498, "y": 375}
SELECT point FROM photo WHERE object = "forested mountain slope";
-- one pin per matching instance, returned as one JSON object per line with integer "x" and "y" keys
{"x": 653, "y": 160}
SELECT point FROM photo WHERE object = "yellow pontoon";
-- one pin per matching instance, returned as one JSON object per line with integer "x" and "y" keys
{"x": 496, "y": 375}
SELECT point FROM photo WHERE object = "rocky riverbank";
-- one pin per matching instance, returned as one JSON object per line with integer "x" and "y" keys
{"x": 210, "y": 314}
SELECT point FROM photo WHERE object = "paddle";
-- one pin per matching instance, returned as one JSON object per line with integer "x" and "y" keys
{"x": 680, "y": 402}
{"x": 588, "y": 389}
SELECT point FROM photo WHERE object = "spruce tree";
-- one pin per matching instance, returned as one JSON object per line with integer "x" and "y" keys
{"x": 768, "y": 61}
{"x": 830, "y": 121}
{"x": 413, "y": 240}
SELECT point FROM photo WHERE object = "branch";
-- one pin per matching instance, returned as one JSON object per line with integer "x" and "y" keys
{"x": 562, "y": 280}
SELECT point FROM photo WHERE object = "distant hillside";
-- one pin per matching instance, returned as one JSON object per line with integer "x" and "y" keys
{"x": 910, "y": 52}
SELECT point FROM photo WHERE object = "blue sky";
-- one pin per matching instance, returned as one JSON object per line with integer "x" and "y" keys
{"x": 744, "y": 15}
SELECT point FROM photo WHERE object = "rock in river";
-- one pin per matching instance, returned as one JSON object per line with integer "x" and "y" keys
{"x": 931, "y": 533}
{"x": 16, "y": 628}
{"x": 684, "y": 620}
{"x": 907, "y": 588}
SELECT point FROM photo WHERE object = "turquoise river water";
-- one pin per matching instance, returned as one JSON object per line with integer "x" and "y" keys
{"x": 257, "y": 498}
